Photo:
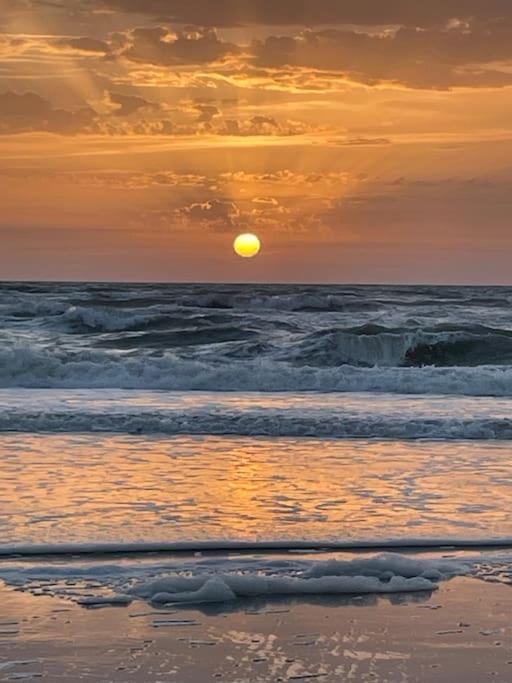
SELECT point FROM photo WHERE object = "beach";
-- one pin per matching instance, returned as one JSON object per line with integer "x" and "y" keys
{"x": 253, "y": 484}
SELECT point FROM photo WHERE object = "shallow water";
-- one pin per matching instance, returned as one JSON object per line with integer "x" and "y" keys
{"x": 84, "y": 488}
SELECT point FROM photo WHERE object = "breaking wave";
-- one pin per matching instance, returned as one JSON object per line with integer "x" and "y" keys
{"x": 25, "y": 366}
{"x": 257, "y": 338}
{"x": 263, "y": 423}
{"x": 373, "y": 345}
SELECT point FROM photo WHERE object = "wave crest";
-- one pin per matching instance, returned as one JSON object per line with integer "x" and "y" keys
{"x": 24, "y": 366}
{"x": 374, "y": 345}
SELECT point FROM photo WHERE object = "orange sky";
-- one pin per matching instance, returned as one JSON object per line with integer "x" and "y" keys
{"x": 363, "y": 141}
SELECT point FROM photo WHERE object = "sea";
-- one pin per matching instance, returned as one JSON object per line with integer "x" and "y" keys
{"x": 258, "y": 418}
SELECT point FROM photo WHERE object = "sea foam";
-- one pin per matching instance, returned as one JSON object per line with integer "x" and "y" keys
{"x": 25, "y": 366}
{"x": 224, "y": 580}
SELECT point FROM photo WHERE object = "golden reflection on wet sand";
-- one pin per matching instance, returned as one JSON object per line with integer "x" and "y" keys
{"x": 91, "y": 488}
{"x": 456, "y": 638}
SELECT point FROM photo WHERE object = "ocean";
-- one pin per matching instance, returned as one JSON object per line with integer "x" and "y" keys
{"x": 257, "y": 338}
{"x": 160, "y": 417}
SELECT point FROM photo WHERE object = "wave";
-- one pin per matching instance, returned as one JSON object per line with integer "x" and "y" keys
{"x": 33, "y": 308}
{"x": 368, "y": 345}
{"x": 466, "y": 351}
{"x": 317, "y": 299}
{"x": 270, "y": 324}
{"x": 293, "y": 298}
{"x": 262, "y": 423}
{"x": 82, "y": 319}
{"x": 290, "y": 302}
{"x": 445, "y": 345}
{"x": 118, "y": 304}
{"x": 26, "y": 366}
{"x": 455, "y": 301}
{"x": 180, "y": 338}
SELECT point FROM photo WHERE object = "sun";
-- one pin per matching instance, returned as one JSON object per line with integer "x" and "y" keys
{"x": 247, "y": 245}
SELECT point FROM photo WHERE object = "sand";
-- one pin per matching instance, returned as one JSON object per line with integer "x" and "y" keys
{"x": 462, "y": 632}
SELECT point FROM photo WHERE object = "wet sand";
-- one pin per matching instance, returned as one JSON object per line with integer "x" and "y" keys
{"x": 462, "y": 632}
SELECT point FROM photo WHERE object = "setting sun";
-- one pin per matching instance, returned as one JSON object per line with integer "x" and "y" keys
{"x": 247, "y": 245}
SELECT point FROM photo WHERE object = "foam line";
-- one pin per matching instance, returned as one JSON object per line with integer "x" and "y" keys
{"x": 405, "y": 544}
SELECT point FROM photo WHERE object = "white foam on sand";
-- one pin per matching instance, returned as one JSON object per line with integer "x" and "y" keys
{"x": 223, "y": 580}
{"x": 382, "y": 574}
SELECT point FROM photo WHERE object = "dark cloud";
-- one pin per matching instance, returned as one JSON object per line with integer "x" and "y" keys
{"x": 207, "y": 112}
{"x": 457, "y": 53}
{"x": 216, "y": 214}
{"x": 85, "y": 44}
{"x": 159, "y": 127}
{"x": 454, "y": 55}
{"x": 22, "y": 113}
{"x": 129, "y": 115}
{"x": 261, "y": 125}
{"x": 29, "y": 112}
{"x": 160, "y": 46}
{"x": 129, "y": 104}
{"x": 314, "y": 12}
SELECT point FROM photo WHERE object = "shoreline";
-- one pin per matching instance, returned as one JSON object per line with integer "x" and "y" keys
{"x": 19, "y": 551}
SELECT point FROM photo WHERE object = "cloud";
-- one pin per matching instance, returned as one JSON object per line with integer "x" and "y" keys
{"x": 11, "y": 45}
{"x": 262, "y": 125}
{"x": 232, "y": 13}
{"x": 207, "y": 112}
{"x": 129, "y": 104}
{"x": 117, "y": 180}
{"x": 120, "y": 114}
{"x": 29, "y": 112}
{"x": 189, "y": 46}
{"x": 442, "y": 55}
{"x": 216, "y": 214}
{"x": 266, "y": 201}
{"x": 438, "y": 57}
{"x": 144, "y": 127}
{"x": 85, "y": 44}
{"x": 286, "y": 181}
{"x": 402, "y": 211}
{"x": 21, "y": 113}
{"x": 230, "y": 207}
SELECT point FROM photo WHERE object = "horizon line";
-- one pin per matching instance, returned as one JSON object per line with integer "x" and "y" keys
{"x": 253, "y": 282}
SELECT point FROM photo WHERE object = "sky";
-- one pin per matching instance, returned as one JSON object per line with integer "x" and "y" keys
{"x": 362, "y": 141}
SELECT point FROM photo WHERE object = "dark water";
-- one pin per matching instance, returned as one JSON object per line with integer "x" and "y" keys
{"x": 257, "y": 337}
